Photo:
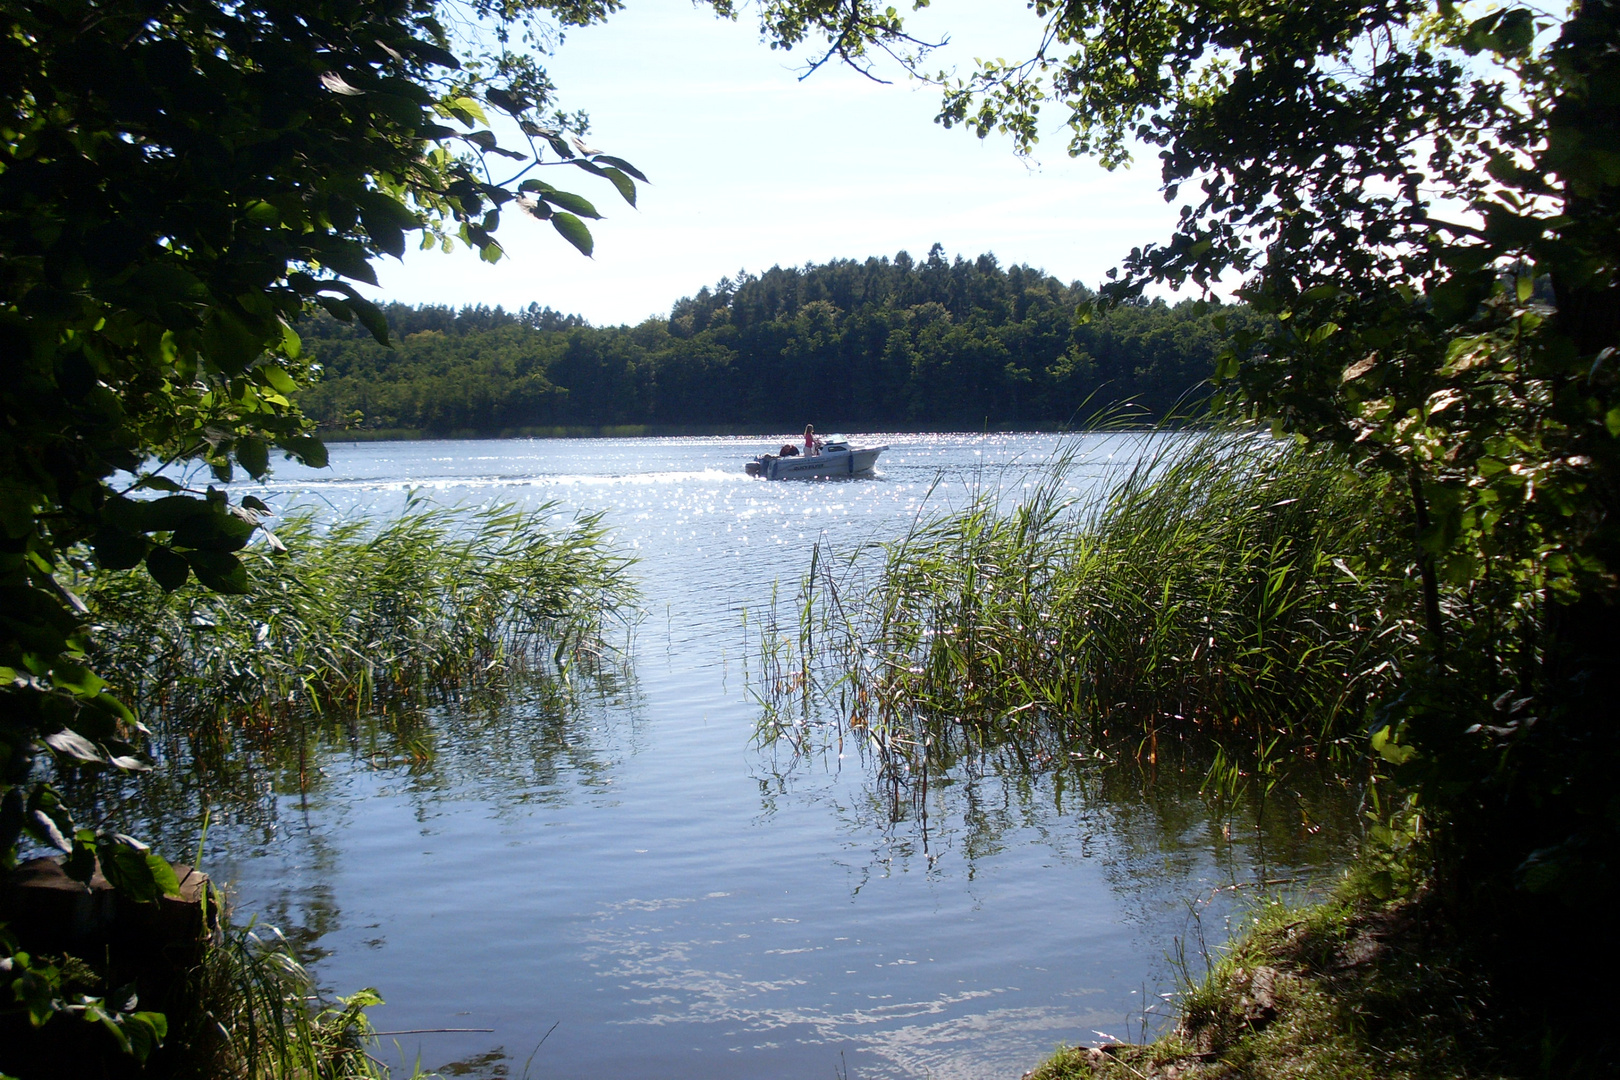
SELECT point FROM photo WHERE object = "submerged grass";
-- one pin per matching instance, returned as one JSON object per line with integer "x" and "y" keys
{"x": 357, "y": 613}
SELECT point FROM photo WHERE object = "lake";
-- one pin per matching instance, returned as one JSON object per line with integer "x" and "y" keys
{"x": 630, "y": 871}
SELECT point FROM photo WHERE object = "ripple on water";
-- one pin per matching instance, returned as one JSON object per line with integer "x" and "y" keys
{"x": 629, "y": 866}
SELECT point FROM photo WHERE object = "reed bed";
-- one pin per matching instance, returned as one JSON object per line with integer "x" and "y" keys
{"x": 256, "y": 1013}
{"x": 1220, "y": 588}
{"x": 359, "y": 613}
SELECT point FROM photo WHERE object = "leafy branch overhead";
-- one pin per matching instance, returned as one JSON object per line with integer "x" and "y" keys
{"x": 178, "y": 187}
{"x": 1423, "y": 199}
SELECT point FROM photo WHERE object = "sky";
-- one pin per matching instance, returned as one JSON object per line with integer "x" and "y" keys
{"x": 751, "y": 167}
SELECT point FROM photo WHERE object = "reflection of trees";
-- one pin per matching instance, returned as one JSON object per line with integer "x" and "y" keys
{"x": 544, "y": 739}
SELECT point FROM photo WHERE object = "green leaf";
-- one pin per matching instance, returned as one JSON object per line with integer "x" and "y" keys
{"x": 229, "y": 342}
{"x": 430, "y": 53}
{"x": 163, "y": 874}
{"x": 214, "y": 531}
{"x": 260, "y": 212}
{"x": 167, "y": 513}
{"x": 623, "y": 164}
{"x": 572, "y": 203}
{"x": 386, "y": 220}
{"x": 307, "y": 449}
{"x": 78, "y": 679}
{"x": 70, "y": 743}
{"x": 159, "y": 483}
{"x": 80, "y": 865}
{"x": 371, "y": 317}
{"x": 129, "y": 870}
{"x": 278, "y": 379}
{"x": 253, "y": 455}
{"x": 350, "y": 260}
{"x": 167, "y": 568}
{"x": 626, "y": 186}
{"x": 143, "y": 1032}
{"x": 118, "y": 549}
{"x": 471, "y": 107}
{"x": 1321, "y": 333}
{"x": 338, "y": 309}
{"x": 1386, "y": 746}
{"x": 43, "y": 827}
{"x": 291, "y": 344}
{"x": 574, "y": 231}
{"x": 220, "y": 571}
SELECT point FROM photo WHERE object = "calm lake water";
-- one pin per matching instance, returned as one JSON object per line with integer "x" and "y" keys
{"x": 632, "y": 873}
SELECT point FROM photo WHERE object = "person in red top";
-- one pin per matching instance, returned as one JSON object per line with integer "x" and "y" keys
{"x": 812, "y": 445}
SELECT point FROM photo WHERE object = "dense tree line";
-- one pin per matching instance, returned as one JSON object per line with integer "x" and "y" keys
{"x": 885, "y": 343}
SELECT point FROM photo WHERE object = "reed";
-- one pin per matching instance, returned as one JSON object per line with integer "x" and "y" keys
{"x": 259, "y": 1015}
{"x": 1221, "y": 587}
{"x": 356, "y": 613}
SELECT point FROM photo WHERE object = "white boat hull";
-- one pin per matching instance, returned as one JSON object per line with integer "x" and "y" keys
{"x": 828, "y": 463}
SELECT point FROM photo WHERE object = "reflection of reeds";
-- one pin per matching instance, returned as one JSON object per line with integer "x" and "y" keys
{"x": 1219, "y": 588}
{"x": 359, "y": 613}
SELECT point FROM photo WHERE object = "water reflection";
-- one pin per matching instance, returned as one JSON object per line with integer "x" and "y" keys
{"x": 617, "y": 861}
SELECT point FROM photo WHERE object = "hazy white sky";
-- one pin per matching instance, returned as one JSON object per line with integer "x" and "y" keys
{"x": 751, "y": 167}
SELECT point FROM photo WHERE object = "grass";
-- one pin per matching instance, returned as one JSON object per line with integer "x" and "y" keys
{"x": 1219, "y": 592}
{"x": 1355, "y": 988}
{"x": 357, "y": 614}
{"x": 260, "y": 1016}
{"x": 1220, "y": 604}
{"x": 355, "y": 619}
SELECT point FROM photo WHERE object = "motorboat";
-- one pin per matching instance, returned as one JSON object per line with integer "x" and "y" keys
{"x": 838, "y": 457}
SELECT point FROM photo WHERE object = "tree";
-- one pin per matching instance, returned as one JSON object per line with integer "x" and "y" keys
{"x": 178, "y": 185}
{"x": 1425, "y": 198}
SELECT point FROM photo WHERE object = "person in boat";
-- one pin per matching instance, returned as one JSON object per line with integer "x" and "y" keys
{"x": 812, "y": 445}
{"x": 788, "y": 450}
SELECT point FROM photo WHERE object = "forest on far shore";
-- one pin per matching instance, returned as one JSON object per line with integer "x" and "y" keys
{"x": 884, "y": 344}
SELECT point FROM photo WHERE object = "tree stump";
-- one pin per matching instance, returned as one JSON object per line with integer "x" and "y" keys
{"x": 155, "y": 946}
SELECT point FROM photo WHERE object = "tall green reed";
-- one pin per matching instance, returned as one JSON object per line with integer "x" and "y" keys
{"x": 342, "y": 620}
{"x": 357, "y": 613}
{"x": 258, "y": 1014}
{"x": 1221, "y": 587}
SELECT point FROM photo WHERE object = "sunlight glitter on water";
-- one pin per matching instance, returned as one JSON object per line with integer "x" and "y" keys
{"x": 679, "y": 901}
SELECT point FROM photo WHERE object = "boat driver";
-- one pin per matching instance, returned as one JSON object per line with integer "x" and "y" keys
{"x": 812, "y": 445}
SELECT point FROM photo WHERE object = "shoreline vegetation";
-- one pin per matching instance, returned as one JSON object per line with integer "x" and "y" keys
{"x": 339, "y": 437}
{"x": 1220, "y": 594}
{"x": 1353, "y": 987}
{"x": 350, "y": 615}
{"x": 1243, "y": 604}
{"x": 340, "y": 627}
{"x": 881, "y": 344}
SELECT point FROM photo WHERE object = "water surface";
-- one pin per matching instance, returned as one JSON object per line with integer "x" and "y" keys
{"x": 627, "y": 870}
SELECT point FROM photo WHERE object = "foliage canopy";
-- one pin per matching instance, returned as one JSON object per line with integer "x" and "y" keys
{"x": 178, "y": 185}
{"x": 878, "y": 344}
{"x": 1424, "y": 197}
